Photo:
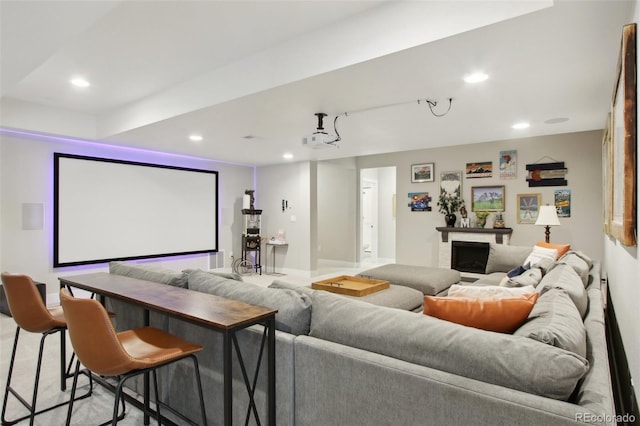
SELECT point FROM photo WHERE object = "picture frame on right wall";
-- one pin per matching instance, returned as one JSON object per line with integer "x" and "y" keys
{"x": 622, "y": 220}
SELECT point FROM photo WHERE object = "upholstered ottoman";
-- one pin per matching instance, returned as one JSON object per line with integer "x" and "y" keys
{"x": 396, "y": 296}
{"x": 430, "y": 281}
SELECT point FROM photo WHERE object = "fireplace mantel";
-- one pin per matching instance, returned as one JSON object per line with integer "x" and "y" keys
{"x": 498, "y": 232}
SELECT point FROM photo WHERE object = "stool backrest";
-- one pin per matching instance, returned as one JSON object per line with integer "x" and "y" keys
{"x": 93, "y": 337}
{"x": 26, "y": 305}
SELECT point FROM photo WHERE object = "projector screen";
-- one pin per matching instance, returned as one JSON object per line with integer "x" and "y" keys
{"x": 108, "y": 210}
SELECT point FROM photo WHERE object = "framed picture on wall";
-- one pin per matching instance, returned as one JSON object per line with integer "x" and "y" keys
{"x": 622, "y": 223}
{"x": 528, "y": 206}
{"x": 487, "y": 198}
{"x": 480, "y": 169}
{"x": 422, "y": 172}
{"x": 451, "y": 183}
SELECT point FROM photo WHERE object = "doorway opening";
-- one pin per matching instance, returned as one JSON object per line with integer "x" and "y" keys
{"x": 377, "y": 218}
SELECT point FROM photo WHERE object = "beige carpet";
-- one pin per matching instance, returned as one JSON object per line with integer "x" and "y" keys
{"x": 93, "y": 410}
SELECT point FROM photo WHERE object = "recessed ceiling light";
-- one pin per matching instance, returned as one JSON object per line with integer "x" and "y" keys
{"x": 195, "y": 138}
{"x": 521, "y": 125}
{"x": 476, "y": 77}
{"x": 80, "y": 82}
{"x": 287, "y": 156}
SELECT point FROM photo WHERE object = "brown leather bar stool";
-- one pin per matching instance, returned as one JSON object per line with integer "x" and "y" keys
{"x": 125, "y": 354}
{"x": 30, "y": 313}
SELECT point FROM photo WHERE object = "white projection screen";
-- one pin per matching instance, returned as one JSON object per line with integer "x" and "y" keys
{"x": 108, "y": 210}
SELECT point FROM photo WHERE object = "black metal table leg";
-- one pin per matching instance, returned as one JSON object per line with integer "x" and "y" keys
{"x": 228, "y": 379}
{"x": 271, "y": 371}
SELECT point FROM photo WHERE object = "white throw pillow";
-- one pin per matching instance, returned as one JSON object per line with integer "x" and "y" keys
{"x": 541, "y": 255}
{"x": 457, "y": 290}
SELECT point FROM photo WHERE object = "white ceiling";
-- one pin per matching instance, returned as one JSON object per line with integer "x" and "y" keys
{"x": 161, "y": 70}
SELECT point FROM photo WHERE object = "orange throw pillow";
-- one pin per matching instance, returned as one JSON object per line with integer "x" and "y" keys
{"x": 562, "y": 248}
{"x": 503, "y": 315}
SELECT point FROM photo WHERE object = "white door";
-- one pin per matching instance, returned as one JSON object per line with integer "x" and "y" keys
{"x": 369, "y": 231}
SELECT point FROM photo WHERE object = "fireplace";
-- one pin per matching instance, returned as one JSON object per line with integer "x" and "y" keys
{"x": 469, "y": 256}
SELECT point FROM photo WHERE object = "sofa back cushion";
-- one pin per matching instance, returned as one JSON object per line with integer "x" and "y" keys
{"x": 565, "y": 278}
{"x": 503, "y": 257}
{"x": 502, "y": 359}
{"x": 556, "y": 321}
{"x": 156, "y": 274}
{"x": 294, "y": 308}
{"x": 580, "y": 263}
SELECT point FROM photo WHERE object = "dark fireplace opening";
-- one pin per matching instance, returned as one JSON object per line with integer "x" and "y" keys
{"x": 469, "y": 256}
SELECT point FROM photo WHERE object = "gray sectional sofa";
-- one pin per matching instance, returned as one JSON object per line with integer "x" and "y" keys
{"x": 342, "y": 361}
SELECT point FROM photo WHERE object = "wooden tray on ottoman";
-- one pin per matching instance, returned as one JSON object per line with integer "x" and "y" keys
{"x": 351, "y": 286}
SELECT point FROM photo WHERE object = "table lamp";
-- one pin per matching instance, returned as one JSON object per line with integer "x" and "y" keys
{"x": 547, "y": 217}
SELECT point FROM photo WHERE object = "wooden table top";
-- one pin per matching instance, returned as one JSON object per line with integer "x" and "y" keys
{"x": 203, "y": 308}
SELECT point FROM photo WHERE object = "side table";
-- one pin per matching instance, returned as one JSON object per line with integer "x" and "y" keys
{"x": 273, "y": 257}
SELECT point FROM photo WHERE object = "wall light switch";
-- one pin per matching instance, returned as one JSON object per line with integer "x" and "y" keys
{"x": 292, "y": 218}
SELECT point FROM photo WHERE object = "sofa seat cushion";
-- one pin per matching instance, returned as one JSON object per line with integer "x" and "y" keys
{"x": 430, "y": 281}
{"x": 499, "y": 314}
{"x": 156, "y": 274}
{"x": 294, "y": 308}
{"x": 494, "y": 278}
{"x": 512, "y": 361}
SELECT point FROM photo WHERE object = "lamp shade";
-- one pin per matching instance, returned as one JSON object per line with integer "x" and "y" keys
{"x": 547, "y": 216}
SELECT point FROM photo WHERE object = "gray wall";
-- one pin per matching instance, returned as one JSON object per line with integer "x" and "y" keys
{"x": 293, "y": 183}
{"x": 337, "y": 224}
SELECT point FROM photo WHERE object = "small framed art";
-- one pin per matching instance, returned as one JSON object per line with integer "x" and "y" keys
{"x": 528, "y": 206}
{"x": 422, "y": 172}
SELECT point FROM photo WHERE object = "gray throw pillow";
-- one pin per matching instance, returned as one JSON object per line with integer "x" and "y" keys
{"x": 555, "y": 321}
{"x": 294, "y": 308}
{"x": 149, "y": 273}
{"x": 503, "y": 257}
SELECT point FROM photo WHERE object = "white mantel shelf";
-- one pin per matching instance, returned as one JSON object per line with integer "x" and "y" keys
{"x": 498, "y": 232}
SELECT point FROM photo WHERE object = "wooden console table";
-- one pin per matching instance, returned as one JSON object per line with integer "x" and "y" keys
{"x": 223, "y": 315}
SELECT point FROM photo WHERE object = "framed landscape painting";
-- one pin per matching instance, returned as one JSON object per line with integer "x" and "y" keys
{"x": 422, "y": 172}
{"x": 487, "y": 198}
{"x": 528, "y": 206}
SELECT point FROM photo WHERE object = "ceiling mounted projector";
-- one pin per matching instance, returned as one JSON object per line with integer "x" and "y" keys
{"x": 320, "y": 138}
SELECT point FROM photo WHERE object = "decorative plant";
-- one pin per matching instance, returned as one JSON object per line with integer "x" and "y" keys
{"x": 450, "y": 203}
